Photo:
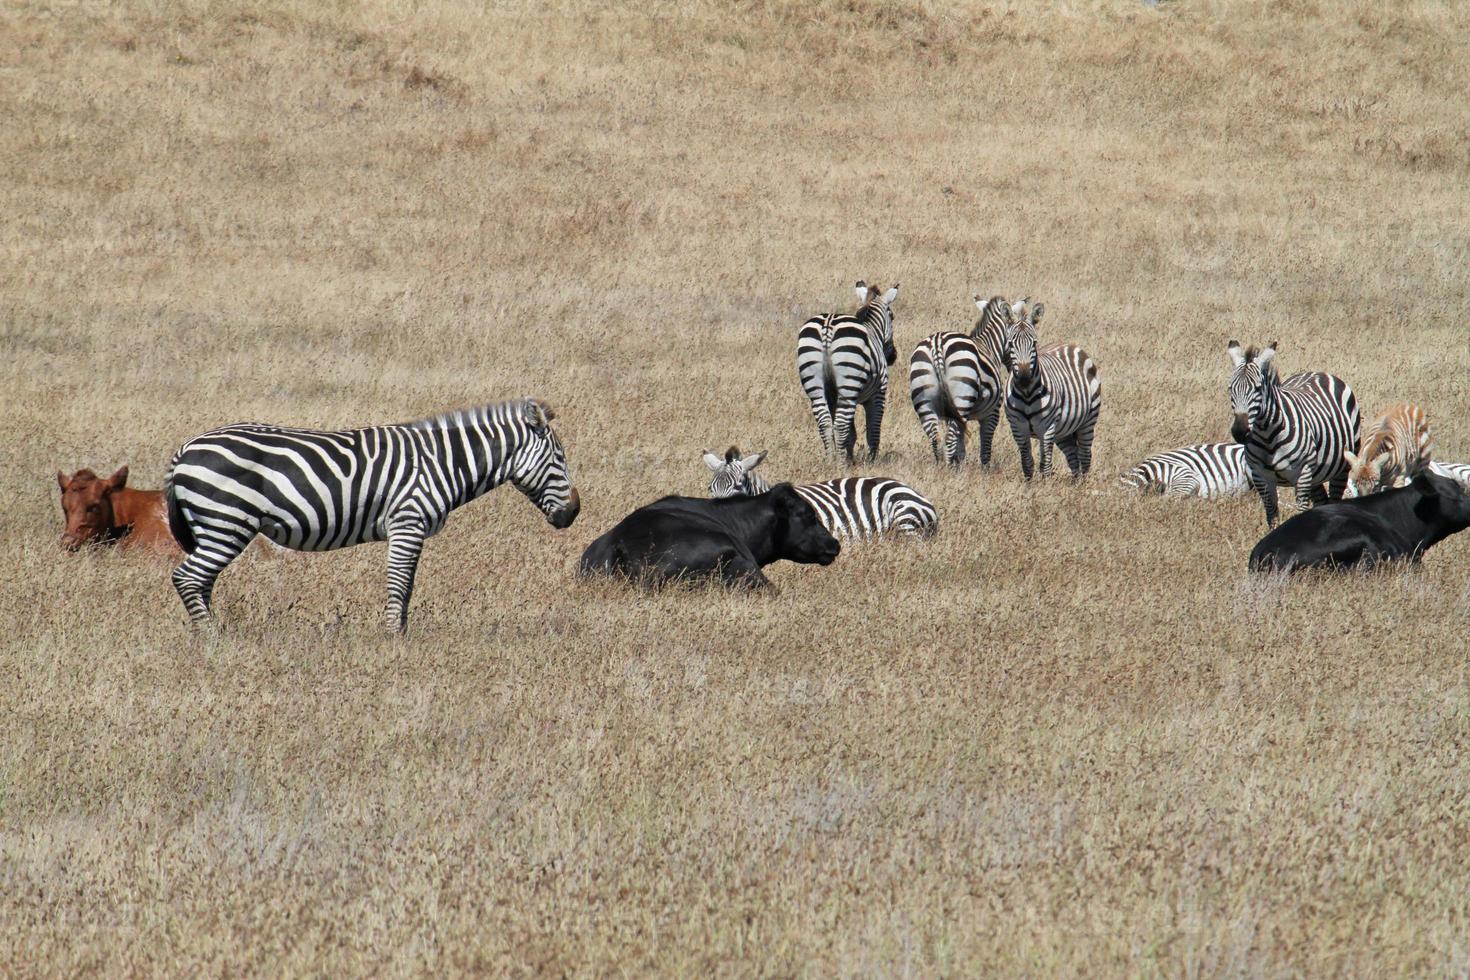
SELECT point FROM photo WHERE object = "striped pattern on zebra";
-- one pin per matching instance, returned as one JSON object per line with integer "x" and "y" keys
{"x": 1294, "y": 431}
{"x": 849, "y": 508}
{"x": 955, "y": 378}
{"x": 1454, "y": 471}
{"x": 843, "y": 362}
{"x": 1396, "y": 446}
{"x": 1209, "y": 470}
{"x": 1054, "y": 398}
{"x": 319, "y": 491}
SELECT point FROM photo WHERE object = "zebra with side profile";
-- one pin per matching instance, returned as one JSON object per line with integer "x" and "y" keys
{"x": 1054, "y": 398}
{"x": 1210, "y": 470}
{"x": 843, "y": 362}
{"x": 1294, "y": 431}
{"x": 954, "y": 378}
{"x": 319, "y": 491}
{"x": 849, "y": 508}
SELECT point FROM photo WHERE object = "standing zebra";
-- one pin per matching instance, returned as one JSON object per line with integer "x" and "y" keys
{"x": 843, "y": 362}
{"x": 853, "y": 507}
{"x": 1209, "y": 470}
{"x": 1054, "y": 398}
{"x": 319, "y": 491}
{"x": 954, "y": 378}
{"x": 1294, "y": 431}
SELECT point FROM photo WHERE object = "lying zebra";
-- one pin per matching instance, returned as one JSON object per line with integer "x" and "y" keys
{"x": 853, "y": 507}
{"x": 1209, "y": 470}
{"x": 1459, "y": 472}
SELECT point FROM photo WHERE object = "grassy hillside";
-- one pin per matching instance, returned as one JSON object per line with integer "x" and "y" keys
{"x": 1068, "y": 735}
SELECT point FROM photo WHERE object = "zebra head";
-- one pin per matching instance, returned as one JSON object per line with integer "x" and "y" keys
{"x": 1021, "y": 355}
{"x": 538, "y": 466}
{"x": 992, "y": 332}
{"x": 877, "y": 308}
{"x": 732, "y": 476}
{"x": 1253, "y": 370}
{"x": 1366, "y": 476}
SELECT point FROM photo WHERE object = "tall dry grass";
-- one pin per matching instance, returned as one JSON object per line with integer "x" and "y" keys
{"x": 1070, "y": 735}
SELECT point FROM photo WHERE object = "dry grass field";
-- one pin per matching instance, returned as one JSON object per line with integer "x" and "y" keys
{"x": 1069, "y": 735}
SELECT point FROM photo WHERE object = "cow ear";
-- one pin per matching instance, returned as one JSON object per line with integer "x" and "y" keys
{"x": 61, "y": 480}
{"x": 118, "y": 480}
{"x": 861, "y": 288}
{"x": 891, "y": 295}
{"x": 752, "y": 461}
{"x": 1237, "y": 356}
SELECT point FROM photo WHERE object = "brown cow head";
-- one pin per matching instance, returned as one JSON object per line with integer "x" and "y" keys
{"x": 86, "y": 502}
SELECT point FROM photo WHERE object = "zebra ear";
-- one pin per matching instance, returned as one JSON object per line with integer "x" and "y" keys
{"x": 714, "y": 462}
{"x": 1351, "y": 457}
{"x": 1379, "y": 460}
{"x": 752, "y": 461}
{"x": 1266, "y": 356}
{"x": 891, "y": 295}
{"x": 861, "y": 288}
{"x": 537, "y": 414}
{"x": 1019, "y": 307}
{"x": 980, "y": 302}
{"x": 1232, "y": 347}
{"x": 1036, "y": 312}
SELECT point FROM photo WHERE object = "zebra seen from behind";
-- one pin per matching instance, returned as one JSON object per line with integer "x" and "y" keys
{"x": 955, "y": 378}
{"x": 320, "y": 491}
{"x": 849, "y": 508}
{"x": 1055, "y": 396}
{"x": 1294, "y": 431}
{"x": 843, "y": 362}
{"x": 1210, "y": 470}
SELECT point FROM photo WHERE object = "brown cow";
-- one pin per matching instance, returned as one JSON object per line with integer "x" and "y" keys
{"x": 106, "y": 511}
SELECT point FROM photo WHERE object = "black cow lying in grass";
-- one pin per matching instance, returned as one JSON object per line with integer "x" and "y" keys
{"x": 1363, "y": 531}
{"x": 730, "y": 540}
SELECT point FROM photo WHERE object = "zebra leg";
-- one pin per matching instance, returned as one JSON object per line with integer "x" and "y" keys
{"x": 194, "y": 579}
{"x": 1022, "y": 433}
{"x": 843, "y": 432}
{"x": 405, "y": 544}
{"x": 1265, "y": 486}
{"x": 1309, "y": 493}
{"x": 957, "y": 441}
{"x": 873, "y": 414}
{"x": 935, "y": 429}
{"x": 1043, "y": 453}
{"x": 823, "y": 415}
{"x": 1337, "y": 486}
{"x": 987, "y": 432}
{"x": 1068, "y": 446}
{"x": 1084, "y": 452}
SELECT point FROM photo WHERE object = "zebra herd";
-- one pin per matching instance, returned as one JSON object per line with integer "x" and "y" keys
{"x": 319, "y": 491}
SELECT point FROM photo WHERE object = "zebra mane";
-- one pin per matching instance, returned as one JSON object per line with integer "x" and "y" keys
{"x": 505, "y": 411}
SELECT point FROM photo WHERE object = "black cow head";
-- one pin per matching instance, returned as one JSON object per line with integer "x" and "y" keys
{"x": 1443, "y": 504}
{"x": 799, "y": 536}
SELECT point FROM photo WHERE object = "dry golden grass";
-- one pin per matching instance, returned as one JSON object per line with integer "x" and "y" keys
{"x": 1070, "y": 735}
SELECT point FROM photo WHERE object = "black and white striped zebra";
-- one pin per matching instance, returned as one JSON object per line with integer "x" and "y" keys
{"x": 1210, "y": 470}
{"x": 1054, "y": 397}
{"x": 319, "y": 491}
{"x": 1294, "y": 431}
{"x": 1453, "y": 471}
{"x": 843, "y": 362}
{"x": 955, "y": 378}
{"x": 850, "y": 508}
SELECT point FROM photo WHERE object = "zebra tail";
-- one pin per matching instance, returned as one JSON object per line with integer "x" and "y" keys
{"x": 178, "y": 525}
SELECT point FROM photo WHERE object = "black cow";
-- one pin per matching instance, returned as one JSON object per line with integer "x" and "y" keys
{"x": 730, "y": 539}
{"x": 1363, "y": 531}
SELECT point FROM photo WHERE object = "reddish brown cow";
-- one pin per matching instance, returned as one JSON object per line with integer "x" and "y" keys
{"x": 107, "y": 511}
